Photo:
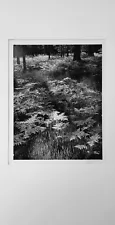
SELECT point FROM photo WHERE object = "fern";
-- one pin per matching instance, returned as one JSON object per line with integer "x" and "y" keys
{"x": 93, "y": 139}
{"x": 80, "y": 147}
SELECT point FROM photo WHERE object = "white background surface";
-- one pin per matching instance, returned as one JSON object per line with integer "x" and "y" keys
{"x": 61, "y": 192}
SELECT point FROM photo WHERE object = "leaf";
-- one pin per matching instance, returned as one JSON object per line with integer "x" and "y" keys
{"x": 59, "y": 126}
{"x": 19, "y": 139}
{"x": 88, "y": 121}
{"x": 96, "y": 153}
{"x": 59, "y": 137}
{"x": 80, "y": 147}
{"x": 93, "y": 139}
{"x": 31, "y": 120}
{"x": 73, "y": 137}
{"x": 79, "y": 133}
{"x": 55, "y": 115}
{"x": 76, "y": 110}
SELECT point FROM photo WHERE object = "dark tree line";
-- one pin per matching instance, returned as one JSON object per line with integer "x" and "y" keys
{"x": 62, "y": 50}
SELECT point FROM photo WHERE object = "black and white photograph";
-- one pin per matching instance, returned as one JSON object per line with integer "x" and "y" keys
{"x": 57, "y": 102}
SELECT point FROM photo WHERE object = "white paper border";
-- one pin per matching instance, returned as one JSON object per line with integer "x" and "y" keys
{"x": 82, "y": 41}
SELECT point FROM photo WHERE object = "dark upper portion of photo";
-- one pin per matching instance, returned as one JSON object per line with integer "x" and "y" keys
{"x": 57, "y": 102}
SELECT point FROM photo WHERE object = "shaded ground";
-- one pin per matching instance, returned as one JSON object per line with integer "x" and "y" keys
{"x": 57, "y": 109}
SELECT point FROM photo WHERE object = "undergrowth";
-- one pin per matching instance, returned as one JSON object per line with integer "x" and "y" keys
{"x": 58, "y": 110}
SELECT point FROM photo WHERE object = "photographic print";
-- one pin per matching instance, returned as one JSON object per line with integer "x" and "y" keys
{"x": 57, "y": 102}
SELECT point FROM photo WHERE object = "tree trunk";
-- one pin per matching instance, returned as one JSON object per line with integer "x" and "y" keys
{"x": 67, "y": 51}
{"x": 49, "y": 50}
{"x": 18, "y": 60}
{"x": 77, "y": 52}
{"x": 24, "y": 63}
{"x": 61, "y": 51}
{"x": 15, "y": 84}
{"x": 90, "y": 50}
